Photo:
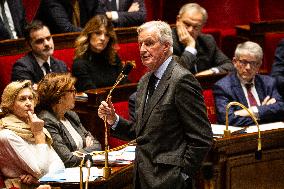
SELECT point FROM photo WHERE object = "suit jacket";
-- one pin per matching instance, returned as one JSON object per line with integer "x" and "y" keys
{"x": 229, "y": 89}
{"x": 171, "y": 138}
{"x": 57, "y": 14}
{"x": 19, "y": 18}
{"x": 63, "y": 142}
{"x": 208, "y": 55}
{"x": 278, "y": 67}
{"x": 28, "y": 68}
{"x": 126, "y": 18}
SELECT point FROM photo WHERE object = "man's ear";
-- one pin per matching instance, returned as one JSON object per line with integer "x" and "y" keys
{"x": 234, "y": 61}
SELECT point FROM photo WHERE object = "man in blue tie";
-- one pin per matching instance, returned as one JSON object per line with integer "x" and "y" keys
{"x": 257, "y": 92}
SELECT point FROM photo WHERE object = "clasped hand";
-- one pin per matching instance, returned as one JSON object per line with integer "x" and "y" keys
{"x": 106, "y": 110}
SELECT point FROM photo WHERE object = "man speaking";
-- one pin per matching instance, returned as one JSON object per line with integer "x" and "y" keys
{"x": 171, "y": 127}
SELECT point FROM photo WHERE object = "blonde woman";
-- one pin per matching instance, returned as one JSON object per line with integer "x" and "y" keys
{"x": 26, "y": 153}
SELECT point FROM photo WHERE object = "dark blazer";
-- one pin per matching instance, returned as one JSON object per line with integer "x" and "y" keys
{"x": 126, "y": 18}
{"x": 95, "y": 72}
{"x": 57, "y": 14}
{"x": 278, "y": 67}
{"x": 208, "y": 55}
{"x": 229, "y": 89}
{"x": 63, "y": 143}
{"x": 19, "y": 18}
{"x": 173, "y": 134}
{"x": 28, "y": 68}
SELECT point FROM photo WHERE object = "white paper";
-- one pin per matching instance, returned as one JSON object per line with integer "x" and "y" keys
{"x": 265, "y": 127}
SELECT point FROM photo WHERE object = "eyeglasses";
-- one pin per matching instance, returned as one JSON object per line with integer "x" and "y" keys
{"x": 251, "y": 63}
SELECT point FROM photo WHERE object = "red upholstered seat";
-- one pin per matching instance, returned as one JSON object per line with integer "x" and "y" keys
{"x": 6, "y": 65}
{"x": 210, "y": 105}
{"x": 66, "y": 55}
{"x": 121, "y": 108}
{"x": 2, "y": 184}
{"x": 130, "y": 51}
{"x": 271, "y": 41}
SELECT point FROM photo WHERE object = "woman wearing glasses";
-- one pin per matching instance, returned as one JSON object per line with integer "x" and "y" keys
{"x": 56, "y": 100}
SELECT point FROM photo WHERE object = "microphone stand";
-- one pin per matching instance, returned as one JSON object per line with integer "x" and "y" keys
{"x": 227, "y": 132}
{"x": 106, "y": 168}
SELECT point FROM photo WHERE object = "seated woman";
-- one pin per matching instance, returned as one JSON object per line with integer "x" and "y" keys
{"x": 96, "y": 62}
{"x": 26, "y": 151}
{"x": 56, "y": 99}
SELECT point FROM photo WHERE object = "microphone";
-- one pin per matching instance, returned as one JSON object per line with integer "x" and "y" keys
{"x": 126, "y": 70}
{"x": 227, "y": 132}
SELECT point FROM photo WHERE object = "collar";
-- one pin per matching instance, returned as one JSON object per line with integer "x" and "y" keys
{"x": 40, "y": 61}
{"x": 160, "y": 71}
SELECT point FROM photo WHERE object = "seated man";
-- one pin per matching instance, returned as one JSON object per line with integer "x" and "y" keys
{"x": 124, "y": 13}
{"x": 12, "y": 19}
{"x": 63, "y": 16}
{"x": 39, "y": 61}
{"x": 257, "y": 92}
{"x": 198, "y": 52}
{"x": 278, "y": 67}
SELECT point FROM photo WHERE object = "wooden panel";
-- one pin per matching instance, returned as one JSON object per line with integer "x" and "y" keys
{"x": 245, "y": 172}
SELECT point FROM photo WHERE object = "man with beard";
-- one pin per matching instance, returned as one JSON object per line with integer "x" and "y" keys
{"x": 39, "y": 61}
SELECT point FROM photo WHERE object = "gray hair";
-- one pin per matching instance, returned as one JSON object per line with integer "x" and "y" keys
{"x": 250, "y": 48}
{"x": 163, "y": 30}
{"x": 194, "y": 7}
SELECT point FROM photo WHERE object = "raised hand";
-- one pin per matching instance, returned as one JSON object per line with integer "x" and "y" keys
{"x": 184, "y": 36}
{"x": 107, "y": 110}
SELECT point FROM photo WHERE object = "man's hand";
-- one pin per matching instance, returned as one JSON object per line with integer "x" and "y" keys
{"x": 184, "y": 37}
{"x": 134, "y": 7}
{"x": 243, "y": 112}
{"x": 205, "y": 72}
{"x": 107, "y": 110}
{"x": 109, "y": 15}
{"x": 89, "y": 141}
{"x": 28, "y": 179}
{"x": 268, "y": 100}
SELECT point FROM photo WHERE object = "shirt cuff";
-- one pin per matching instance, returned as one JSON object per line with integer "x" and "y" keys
{"x": 255, "y": 112}
{"x": 115, "y": 123}
{"x": 215, "y": 70}
{"x": 191, "y": 50}
{"x": 114, "y": 15}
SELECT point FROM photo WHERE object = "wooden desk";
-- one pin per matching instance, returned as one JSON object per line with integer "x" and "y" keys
{"x": 234, "y": 165}
{"x": 88, "y": 109}
{"x": 121, "y": 178}
{"x": 255, "y": 30}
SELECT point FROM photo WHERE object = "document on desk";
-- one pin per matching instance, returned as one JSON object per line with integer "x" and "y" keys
{"x": 218, "y": 130}
{"x": 123, "y": 156}
{"x": 72, "y": 175}
{"x": 265, "y": 127}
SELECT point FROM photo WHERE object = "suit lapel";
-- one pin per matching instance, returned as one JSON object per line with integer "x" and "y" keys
{"x": 259, "y": 88}
{"x": 238, "y": 90}
{"x": 158, "y": 93}
{"x": 37, "y": 70}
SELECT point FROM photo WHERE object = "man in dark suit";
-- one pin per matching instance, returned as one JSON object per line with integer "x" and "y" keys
{"x": 198, "y": 52}
{"x": 257, "y": 92}
{"x": 39, "y": 61}
{"x": 278, "y": 67}
{"x": 15, "y": 14}
{"x": 124, "y": 13}
{"x": 172, "y": 139}
{"x": 59, "y": 15}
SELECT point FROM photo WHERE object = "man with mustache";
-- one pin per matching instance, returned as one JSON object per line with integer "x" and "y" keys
{"x": 39, "y": 61}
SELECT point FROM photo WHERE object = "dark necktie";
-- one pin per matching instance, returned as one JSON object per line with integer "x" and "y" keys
{"x": 47, "y": 67}
{"x": 113, "y": 5}
{"x": 5, "y": 19}
{"x": 251, "y": 98}
{"x": 152, "y": 85}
